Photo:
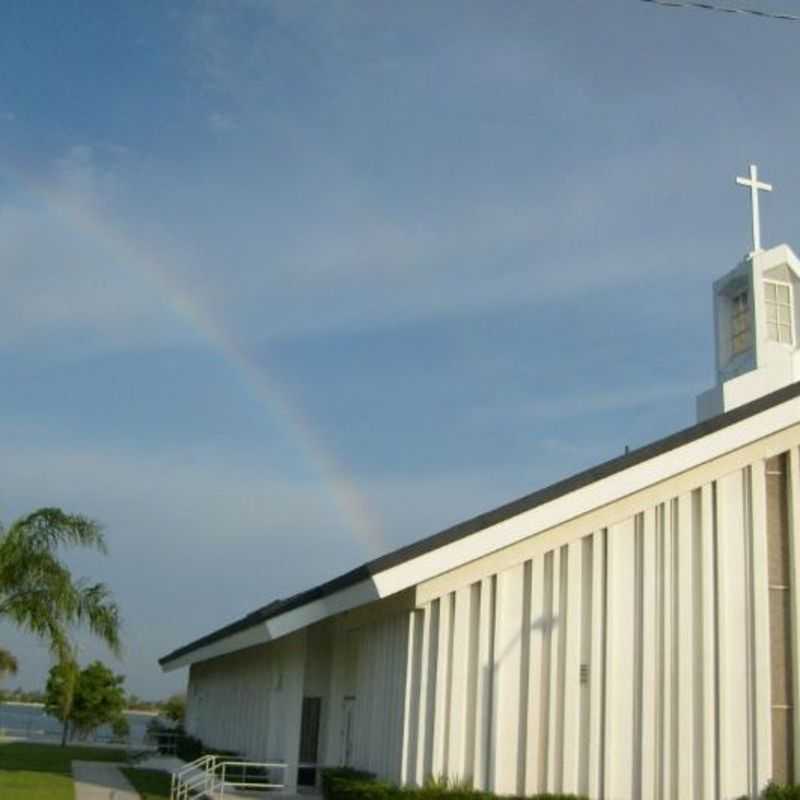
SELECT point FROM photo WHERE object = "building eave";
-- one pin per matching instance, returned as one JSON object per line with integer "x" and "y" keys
{"x": 501, "y": 526}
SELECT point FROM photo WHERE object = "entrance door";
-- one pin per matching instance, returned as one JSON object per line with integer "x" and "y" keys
{"x": 309, "y": 741}
{"x": 348, "y": 730}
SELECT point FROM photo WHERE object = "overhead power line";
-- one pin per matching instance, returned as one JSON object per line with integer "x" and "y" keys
{"x": 753, "y": 12}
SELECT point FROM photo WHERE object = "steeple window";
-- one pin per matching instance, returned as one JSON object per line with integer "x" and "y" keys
{"x": 740, "y": 322}
{"x": 778, "y": 306}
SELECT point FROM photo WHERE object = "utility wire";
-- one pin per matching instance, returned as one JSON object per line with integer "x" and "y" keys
{"x": 754, "y": 12}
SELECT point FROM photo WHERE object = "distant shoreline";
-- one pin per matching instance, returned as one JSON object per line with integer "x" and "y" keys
{"x": 20, "y": 703}
{"x": 41, "y": 705}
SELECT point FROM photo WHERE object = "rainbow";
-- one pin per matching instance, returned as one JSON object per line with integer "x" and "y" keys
{"x": 88, "y": 223}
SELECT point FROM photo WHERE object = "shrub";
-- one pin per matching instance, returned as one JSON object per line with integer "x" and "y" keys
{"x": 438, "y": 792}
{"x": 781, "y": 791}
{"x": 335, "y": 774}
{"x": 188, "y": 748}
{"x": 175, "y": 709}
{"x": 120, "y": 728}
{"x": 442, "y": 783}
{"x": 349, "y": 784}
{"x": 354, "y": 789}
{"x": 165, "y": 737}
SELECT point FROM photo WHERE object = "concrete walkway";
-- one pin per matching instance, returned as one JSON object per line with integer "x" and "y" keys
{"x": 95, "y": 780}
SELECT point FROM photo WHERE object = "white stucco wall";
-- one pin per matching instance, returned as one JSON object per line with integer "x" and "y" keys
{"x": 623, "y": 655}
{"x": 250, "y": 701}
{"x": 380, "y": 688}
{"x": 368, "y": 664}
{"x": 246, "y": 701}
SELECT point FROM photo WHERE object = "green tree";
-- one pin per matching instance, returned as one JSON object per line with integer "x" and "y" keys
{"x": 174, "y": 709}
{"x": 84, "y": 699}
{"x": 8, "y": 664}
{"x": 99, "y": 698}
{"x": 38, "y": 593}
{"x": 121, "y": 728}
{"x": 60, "y": 693}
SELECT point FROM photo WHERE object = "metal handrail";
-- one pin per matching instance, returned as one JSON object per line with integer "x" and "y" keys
{"x": 209, "y": 774}
{"x": 196, "y": 763}
{"x": 182, "y": 782}
{"x": 189, "y": 786}
{"x": 226, "y": 781}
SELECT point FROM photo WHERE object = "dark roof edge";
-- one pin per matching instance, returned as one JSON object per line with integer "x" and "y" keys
{"x": 499, "y": 514}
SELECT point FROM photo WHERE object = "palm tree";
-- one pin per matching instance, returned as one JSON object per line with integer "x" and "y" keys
{"x": 38, "y": 592}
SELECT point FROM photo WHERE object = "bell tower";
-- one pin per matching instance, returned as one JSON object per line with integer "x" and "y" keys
{"x": 756, "y": 322}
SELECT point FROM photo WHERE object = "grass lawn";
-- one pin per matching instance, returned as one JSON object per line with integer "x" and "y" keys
{"x": 43, "y": 771}
{"x": 150, "y": 783}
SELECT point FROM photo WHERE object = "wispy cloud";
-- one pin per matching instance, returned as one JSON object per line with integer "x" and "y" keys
{"x": 584, "y": 402}
{"x": 221, "y": 121}
{"x": 64, "y": 273}
{"x": 182, "y": 523}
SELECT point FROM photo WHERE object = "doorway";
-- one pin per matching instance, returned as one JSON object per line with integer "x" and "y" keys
{"x": 309, "y": 741}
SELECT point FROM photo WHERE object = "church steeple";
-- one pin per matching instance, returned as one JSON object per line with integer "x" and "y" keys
{"x": 755, "y": 321}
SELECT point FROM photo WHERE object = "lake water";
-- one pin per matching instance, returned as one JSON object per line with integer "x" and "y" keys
{"x": 31, "y": 722}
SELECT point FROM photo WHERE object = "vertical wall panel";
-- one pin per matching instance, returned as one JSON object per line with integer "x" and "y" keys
{"x": 524, "y": 679}
{"x": 483, "y": 689}
{"x": 292, "y": 683}
{"x": 507, "y": 665}
{"x": 646, "y": 714}
{"x": 734, "y": 688}
{"x": 362, "y": 710}
{"x": 470, "y": 734}
{"x": 415, "y": 693}
{"x": 422, "y": 742}
{"x": 382, "y": 655}
{"x": 536, "y": 739}
{"x": 389, "y": 689}
{"x": 398, "y": 668}
{"x": 441, "y": 699}
{"x": 237, "y": 703}
{"x": 668, "y": 742}
{"x": 383, "y": 689}
{"x": 760, "y": 625}
{"x": 793, "y": 520}
{"x": 585, "y": 665}
{"x": 619, "y": 766}
{"x": 686, "y": 619}
{"x": 410, "y": 701}
{"x": 461, "y": 699}
{"x": 367, "y": 674}
{"x": 597, "y": 667}
{"x": 571, "y": 690}
{"x": 555, "y": 754}
{"x": 779, "y": 580}
{"x": 706, "y": 653}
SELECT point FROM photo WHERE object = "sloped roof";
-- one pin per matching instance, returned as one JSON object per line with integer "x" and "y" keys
{"x": 490, "y": 518}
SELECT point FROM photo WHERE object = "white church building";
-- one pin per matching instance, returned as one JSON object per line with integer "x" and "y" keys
{"x": 629, "y": 632}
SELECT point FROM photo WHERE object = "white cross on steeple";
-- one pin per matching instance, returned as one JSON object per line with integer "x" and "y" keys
{"x": 755, "y": 186}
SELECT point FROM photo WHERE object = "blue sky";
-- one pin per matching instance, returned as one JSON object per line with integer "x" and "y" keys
{"x": 288, "y": 284}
